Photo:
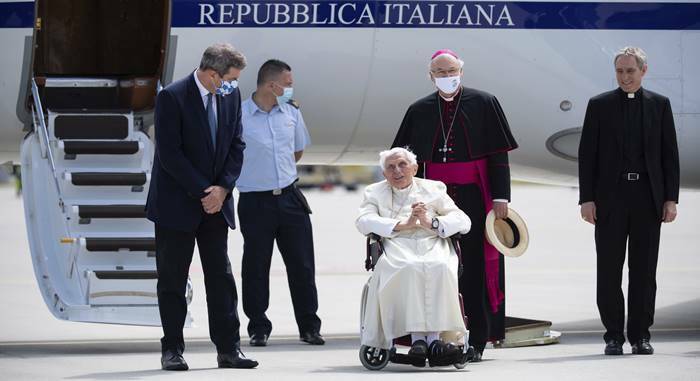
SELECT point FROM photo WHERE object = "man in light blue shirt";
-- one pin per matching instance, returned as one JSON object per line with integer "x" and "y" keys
{"x": 271, "y": 208}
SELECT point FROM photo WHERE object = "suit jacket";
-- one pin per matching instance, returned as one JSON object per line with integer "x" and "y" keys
{"x": 600, "y": 155}
{"x": 186, "y": 162}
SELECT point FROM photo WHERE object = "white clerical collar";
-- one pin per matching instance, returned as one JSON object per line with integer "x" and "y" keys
{"x": 632, "y": 95}
{"x": 450, "y": 99}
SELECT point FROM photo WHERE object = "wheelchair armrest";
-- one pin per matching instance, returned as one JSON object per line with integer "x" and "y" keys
{"x": 455, "y": 243}
{"x": 375, "y": 249}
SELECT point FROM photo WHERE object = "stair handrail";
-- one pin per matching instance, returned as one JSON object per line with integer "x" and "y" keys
{"x": 38, "y": 112}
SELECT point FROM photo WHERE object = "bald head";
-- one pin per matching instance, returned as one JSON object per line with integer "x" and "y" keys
{"x": 445, "y": 65}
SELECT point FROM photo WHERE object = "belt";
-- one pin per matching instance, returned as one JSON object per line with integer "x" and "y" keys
{"x": 274, "y": 192}
{"x": 633, "y": 176}
{"x": 453, "y": 173}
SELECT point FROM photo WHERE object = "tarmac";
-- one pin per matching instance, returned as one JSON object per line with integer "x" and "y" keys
{"x": 554, "y": 280}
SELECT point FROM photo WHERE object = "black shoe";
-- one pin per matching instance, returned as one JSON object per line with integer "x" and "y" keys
{"x": 478, "y": 351}
{"x": 642, "y": 347}
{"x": 258, "y": 340}
{"x": 443, "y": 354}
{"x": 418, "y": 353}
{"x": 313, "y": 338}
{"x": 235, "y": 359}
{"x": 173, "y": 361}
{"x": 613, "y": 348}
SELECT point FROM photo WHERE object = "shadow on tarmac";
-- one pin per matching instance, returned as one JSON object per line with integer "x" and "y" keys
{"x": 684, "y": 315}
{"x": 113, "y": 347}
{"x": 575, "y": 348}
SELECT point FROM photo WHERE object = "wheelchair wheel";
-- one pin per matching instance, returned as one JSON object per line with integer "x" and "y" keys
{"x": 373, "y": 358}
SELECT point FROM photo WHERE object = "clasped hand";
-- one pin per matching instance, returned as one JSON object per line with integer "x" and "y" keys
{"x": 214, "y": 199}
{"x": 419, "y": 216}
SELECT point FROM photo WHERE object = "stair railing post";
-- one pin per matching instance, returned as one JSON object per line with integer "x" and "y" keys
{"x": 44, "y": 133}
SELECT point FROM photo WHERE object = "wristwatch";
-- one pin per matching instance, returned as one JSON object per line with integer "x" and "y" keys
{"x": 435, "y": 224}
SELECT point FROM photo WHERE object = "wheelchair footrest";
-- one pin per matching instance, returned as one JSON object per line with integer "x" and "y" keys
{"x": 400, "y": 358}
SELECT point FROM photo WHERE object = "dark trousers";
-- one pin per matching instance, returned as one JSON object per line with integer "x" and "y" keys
{"x": 632, "y": 222}
{"x": 484, "y": 325}
{"x": 264, "y": 219}
{"x": 174, "y": 251}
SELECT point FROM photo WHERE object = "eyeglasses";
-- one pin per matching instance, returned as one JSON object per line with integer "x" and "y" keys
{"x": 446, "y": 73}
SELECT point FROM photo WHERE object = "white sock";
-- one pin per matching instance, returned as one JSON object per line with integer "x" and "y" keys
{"x": 432, "y": 336}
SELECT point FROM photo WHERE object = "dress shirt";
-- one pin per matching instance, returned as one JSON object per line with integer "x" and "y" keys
{"x": 271, "y": 140}
{"x": 203, "y": 92}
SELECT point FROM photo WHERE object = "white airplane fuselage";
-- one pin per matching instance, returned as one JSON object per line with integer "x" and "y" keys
{"x": 357, "y": 66}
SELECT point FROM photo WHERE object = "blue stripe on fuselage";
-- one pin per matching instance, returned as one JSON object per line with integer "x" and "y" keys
{"x": 411, "y": 14}
{"x": 17, "y": 15}
{"x": 435, "y": 14}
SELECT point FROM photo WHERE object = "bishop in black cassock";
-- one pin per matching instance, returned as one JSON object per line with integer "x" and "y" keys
{"x": 462, "y": 138}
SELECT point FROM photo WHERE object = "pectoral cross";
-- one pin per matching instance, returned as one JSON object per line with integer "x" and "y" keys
{"x": 444, "y": 151}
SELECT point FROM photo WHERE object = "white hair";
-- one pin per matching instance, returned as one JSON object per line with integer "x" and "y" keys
{"x": 408, "y": 155}
{"x": 635, "y": 52}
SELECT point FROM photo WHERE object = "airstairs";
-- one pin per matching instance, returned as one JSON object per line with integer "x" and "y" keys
{"x": 86, "y": 174}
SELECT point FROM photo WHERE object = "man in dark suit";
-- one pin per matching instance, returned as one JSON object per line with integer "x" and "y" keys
{"x": 629, "y": 180}
{"x": 198, "y": 157}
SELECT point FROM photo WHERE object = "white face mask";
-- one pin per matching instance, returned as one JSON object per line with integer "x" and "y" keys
{"x": 447, "y": 85}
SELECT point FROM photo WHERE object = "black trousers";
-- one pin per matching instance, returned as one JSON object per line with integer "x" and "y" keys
{"x": 633, "y": 223}
{"x": 264, "y": 219}
{"x": 174, "y": 251}
{"x": 484, "y": 325}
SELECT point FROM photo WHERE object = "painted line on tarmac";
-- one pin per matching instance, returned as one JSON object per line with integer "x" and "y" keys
{"x": 193, "y": 340}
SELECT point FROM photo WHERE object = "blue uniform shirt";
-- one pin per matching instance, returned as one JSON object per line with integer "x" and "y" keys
{"x": 271, "y": 140}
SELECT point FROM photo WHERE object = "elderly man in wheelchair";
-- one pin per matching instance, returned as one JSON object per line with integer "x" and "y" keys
{"x": 412, "y": 297}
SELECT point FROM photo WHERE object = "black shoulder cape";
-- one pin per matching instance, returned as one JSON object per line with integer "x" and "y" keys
{"x": 486, "y": 128}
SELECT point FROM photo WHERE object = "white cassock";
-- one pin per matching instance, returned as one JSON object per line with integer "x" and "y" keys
{"x": 414, "y": 287}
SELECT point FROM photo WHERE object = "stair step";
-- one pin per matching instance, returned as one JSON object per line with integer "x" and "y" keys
{"x": 116, "y": 244}
{"x": 126, "y": 274}
{"x": 92, "y": 111}
{"x": 118, "y": 147}
{"x": 111, "y": 211}
{"x": 83, "y": 93}
{"x": 107, "y": 178}
{"x": 91, "y": 126}
{"x": 80, "y": 82}
{"x": 122, "y": 287}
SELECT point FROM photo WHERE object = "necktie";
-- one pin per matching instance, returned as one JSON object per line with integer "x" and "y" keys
{"x": 212, "y": 119}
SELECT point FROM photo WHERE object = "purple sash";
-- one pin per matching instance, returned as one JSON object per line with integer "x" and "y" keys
{"x": 473, "y": 172}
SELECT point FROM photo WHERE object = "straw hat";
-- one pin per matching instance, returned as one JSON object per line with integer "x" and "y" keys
{"x": 508, "y": 236}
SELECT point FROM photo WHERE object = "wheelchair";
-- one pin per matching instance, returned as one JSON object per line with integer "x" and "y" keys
{"x": 377, "y": 358}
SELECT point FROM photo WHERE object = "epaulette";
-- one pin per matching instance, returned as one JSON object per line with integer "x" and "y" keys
{"x": 294, "y": 103}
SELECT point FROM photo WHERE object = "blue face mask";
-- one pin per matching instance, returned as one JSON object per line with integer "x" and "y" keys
{"x": 286, "y": 96}
{"x": 226, "y": 87}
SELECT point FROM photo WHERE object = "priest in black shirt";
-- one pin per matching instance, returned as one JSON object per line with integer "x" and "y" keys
{"x": 629, "y": 180}
{"x": 461, "y": 137}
